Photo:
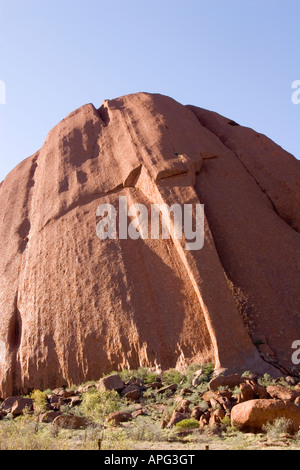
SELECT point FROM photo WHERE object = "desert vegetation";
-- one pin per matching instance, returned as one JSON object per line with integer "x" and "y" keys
{"x": 141, "y": 409}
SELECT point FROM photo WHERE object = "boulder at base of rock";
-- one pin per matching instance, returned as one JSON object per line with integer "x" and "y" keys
{"x": 49, "y": 416}
{"x": 132, "y": 392}
{"x": 69, "y": 422}
{"x": 21, "y": 405}
{"x": 230, "y": 381}
{"x": 253, "y": 415}
{"x": 119, "y": 417}
{"x": 184, "y": 407}
{"x": 8, "y": 403}
{"x": 282, "y": 393}
{"x": 216, "y": 417}
{"x": 197, "y": 412}
{"x": 111, "y": 382}
{"x": 177, "y": 417}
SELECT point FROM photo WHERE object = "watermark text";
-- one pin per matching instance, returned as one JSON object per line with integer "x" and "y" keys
{"x": 296, "y": 93}
{"x": 296, "y": 354}
{"x": 163, "y": 222}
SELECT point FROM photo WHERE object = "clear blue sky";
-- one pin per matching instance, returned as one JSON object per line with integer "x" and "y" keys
{"x": 236, "y": 57}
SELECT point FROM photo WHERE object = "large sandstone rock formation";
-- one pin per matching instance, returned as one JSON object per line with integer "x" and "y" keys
{"x": 74, "y": 306}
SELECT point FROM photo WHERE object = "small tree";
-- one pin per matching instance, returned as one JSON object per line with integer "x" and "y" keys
{"x": 97, "y": 405}
{"x": 40, "y": 401}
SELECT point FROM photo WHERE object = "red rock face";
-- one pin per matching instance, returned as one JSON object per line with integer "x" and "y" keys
{"x": 74, "y": 306}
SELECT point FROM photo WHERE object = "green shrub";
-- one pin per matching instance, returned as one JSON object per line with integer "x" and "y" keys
{"x": 142, "y": 373}
{"x": 207, "y": 373}
{"x": 266, "y": 380}
{"x": 226, "y": 421}
{"x": 151, "y": 378}
{"x": 172, "y": 376}
{"x": 237, "y": 391}
{"x": 97, "y": 405}
{"x": 246, "y": 373}
{"x": 187, "y": 424}
{"x": 40, "y": 401}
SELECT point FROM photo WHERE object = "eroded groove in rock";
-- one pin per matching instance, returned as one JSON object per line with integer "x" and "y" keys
{"x": 15, "y": 331}
{"x": 14, "y": 336}
{"x": 253, "y": 247}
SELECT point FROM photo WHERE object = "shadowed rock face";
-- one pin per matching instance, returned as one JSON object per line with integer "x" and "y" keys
{"x": 74, "y": 306}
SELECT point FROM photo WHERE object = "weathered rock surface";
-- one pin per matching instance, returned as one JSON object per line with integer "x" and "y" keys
{"x": 74, "y": 307}
{"x": 112, "y": 382}
{"x": 69, "y": 422}
{"x": 49, "y": 416}
{"x": 132, "y": 392}
{"x": 229, "y": 381}
{"x": 252, "y": 415}
{"x": 176, "y": 418}
{"x": 282, "y": 393}
{"x": 9, "y": 403}
{"x": 119, "y": 417}
{"x": 20, "y": 405}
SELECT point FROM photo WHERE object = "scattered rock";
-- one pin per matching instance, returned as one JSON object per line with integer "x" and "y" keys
{"x": 49, "y": 416}
{"x": 137, "y": 413}
{"x": 259, "y": 391}
{"x": 247, "y": 393}
{"x": 62, "y": 393}
{"x": 176, "y": 418}
{"x": 222, "y": 398}
{"x": 185, "y": 391}
{"x": 154, "y": 385}
{"x": 74, "y": 401}
{"x": 197, "y": 380}
{"x": 132, "y": 392}
{"x": 230, "y": 381}
{"x": 20, "y": 405}
{"x": 53, "y": 399}
{"x": 207, "y": 396}
{"x": 291, "y": 380}
{"x": 204, "y": 419}
{"x": 282, "y": 393}
{"x": 252, "y": 415}
{"x": 197, "y": 412}
{"x": 297, "y": 401}
{"x": 119, "y": 417}
{"x": 112, "y": 382}
{"x": 86, "y": 388}
{"x": 172, "y": 387}
{"x": 8, "y": 403}
{"x": 184, "y": 407}
{"x": 216, "y": 417}
{"x": 69, "y": 422}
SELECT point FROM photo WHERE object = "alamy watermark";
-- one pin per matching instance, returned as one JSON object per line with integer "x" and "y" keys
{"x": 296, "y": 354}
{"x": 165, "y": 222}
{"x": 2, "y": 92}
{"x": 296, "y": 93}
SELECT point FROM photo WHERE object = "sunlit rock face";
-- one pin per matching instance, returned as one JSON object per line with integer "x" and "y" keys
{"x": 74, "y": 306}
